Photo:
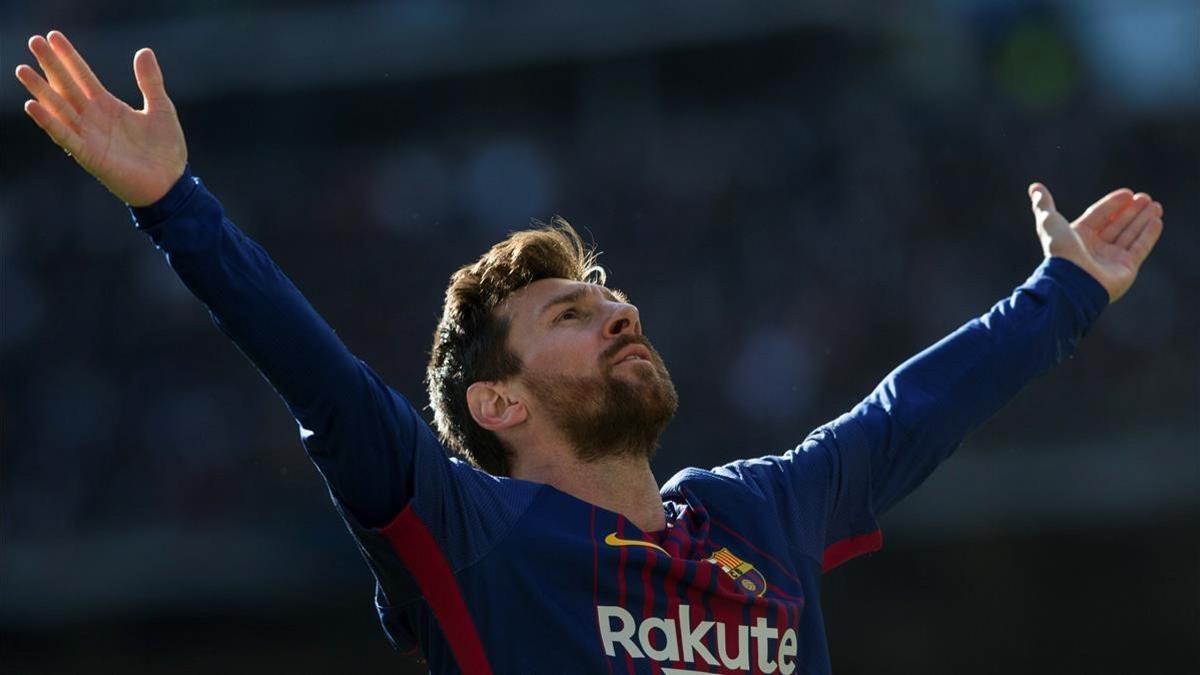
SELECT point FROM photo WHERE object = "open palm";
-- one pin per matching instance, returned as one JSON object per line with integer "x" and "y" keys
{"x": 136, "y": 154}
{"x": 1109, "y": 241}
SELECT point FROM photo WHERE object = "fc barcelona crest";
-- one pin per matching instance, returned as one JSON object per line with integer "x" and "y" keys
{"x": 743, "y": 573}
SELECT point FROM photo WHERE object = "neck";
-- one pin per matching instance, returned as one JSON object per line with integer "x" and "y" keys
{"x": 624, "y": 485}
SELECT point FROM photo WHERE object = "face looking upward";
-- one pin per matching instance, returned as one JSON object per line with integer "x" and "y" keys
{"x": 587, "y": 368}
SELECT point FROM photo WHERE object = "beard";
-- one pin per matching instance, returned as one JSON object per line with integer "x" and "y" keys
{"x": 605, "y": 416}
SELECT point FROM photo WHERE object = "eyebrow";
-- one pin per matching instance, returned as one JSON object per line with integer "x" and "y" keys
{"x": 578, "y": 293}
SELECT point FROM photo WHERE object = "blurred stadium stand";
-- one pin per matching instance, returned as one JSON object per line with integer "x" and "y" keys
{"x": 749, "y": 170}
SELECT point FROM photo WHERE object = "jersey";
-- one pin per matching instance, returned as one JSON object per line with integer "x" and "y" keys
{"x": 487, "y": 574}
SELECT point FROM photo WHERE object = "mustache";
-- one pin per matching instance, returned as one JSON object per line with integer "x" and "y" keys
{"x": 623, "y": 342}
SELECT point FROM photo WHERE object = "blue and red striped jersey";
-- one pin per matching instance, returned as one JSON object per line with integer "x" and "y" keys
{"x": 486, "y": 574}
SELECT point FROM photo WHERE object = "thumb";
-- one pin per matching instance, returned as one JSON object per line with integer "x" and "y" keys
{"x": 150, "y": 79}
{"x": 1042, "y": 201}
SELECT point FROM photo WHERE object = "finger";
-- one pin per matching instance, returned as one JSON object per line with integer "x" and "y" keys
{"x": 47, "y": 97}
{"x": 1042, "y": 201}
{"x": 79, "y": 68}
{"x": 1136, "y": 225}
{"x": 1145, "y": 241}
{"x": 60, "y": 133}
{"x": 1105, "y": 210}
{"x": 56, "y": 72}
{"x": 150, "y": 79}
{"x": 1118, "y": 221}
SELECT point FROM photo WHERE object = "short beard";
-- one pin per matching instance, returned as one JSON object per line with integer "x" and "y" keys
{"x": 606, "y": 416}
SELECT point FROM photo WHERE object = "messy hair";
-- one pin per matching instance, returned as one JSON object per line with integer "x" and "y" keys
{"x": 470, "y": 342}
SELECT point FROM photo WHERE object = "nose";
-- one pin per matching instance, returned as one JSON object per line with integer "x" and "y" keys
{"x": 624, "y": 319}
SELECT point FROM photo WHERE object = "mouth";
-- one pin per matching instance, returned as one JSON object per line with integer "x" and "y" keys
{"x": 632, "y": 353}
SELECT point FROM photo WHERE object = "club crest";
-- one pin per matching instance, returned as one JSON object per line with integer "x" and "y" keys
{"x": 743, "y": 573}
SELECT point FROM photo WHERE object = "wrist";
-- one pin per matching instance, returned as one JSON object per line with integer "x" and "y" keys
{"x": 165, "y": 206}
{"x": 1083, "y": 286}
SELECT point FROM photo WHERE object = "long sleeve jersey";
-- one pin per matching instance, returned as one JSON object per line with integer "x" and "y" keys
{"x": 486, "y": 574}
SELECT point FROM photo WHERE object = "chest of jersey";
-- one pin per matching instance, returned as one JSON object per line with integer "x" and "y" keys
{"x": 576, "y": 588}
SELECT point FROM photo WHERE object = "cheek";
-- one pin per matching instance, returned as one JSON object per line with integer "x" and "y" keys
{"x": 564, "y": 355}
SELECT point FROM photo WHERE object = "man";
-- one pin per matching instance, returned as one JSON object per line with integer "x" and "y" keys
{"x": 553, "y": 550}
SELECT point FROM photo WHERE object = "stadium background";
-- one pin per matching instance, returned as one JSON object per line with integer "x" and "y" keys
{"x": 797, "y": 196}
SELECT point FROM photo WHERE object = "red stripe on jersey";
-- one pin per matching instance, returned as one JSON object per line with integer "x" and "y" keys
{"x": 671, "y": 588}
{"x": 726, "y": 604}
{"x": 621, "y": 562}
{"x": 700, "y": 600}
{"x": 648, "y": 594}
{"x": 671, "y": 584}
{"x": 695, "y": 601}
{"x": 840, "y": 551}
{"x": 596, "y": 583}
{"x": 423, "y": 557}
{"x": 684, "y": 542}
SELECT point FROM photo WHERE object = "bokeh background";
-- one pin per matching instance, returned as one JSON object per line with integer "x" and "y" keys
{"x": 798, "y": 196}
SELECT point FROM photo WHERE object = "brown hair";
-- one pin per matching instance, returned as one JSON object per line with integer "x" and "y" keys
{"x": 469, "y": 344}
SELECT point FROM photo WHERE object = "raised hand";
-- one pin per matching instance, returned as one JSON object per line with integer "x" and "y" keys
{"x": 137, "y": 154}
{"x": 1110, "y": 240}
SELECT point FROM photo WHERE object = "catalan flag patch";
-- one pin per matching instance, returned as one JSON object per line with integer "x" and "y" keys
{"x": 743, "y": 573}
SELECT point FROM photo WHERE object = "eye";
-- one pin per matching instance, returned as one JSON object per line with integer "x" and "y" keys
{"x": 567, "y": 314}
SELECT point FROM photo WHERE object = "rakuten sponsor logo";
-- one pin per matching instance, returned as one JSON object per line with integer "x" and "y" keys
{"x": 676, "y": 639}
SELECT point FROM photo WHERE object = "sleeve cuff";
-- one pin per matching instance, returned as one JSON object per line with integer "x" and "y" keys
{"x": 1080, "y": 286}
{"x": 164, "y": 208}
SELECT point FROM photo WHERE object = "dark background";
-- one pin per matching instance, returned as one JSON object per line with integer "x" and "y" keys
{"x": 797, "y": 197}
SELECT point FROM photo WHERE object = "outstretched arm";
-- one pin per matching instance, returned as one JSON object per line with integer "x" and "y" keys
{"x": 923, "y": 409}
{"x": 361, "y": 434}
{"x": 851, "y": 470}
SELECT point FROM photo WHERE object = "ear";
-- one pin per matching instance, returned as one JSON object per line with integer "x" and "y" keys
{"x": 492, "y": 406}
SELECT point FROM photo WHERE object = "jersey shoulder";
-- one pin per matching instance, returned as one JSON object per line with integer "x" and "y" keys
{"x": 709, "y": 484}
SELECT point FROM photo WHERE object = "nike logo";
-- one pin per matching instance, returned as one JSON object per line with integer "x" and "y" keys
{"x": 613, "y": 540}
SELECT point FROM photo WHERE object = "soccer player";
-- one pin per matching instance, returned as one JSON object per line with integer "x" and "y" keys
{"x": 548, "y": 545}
